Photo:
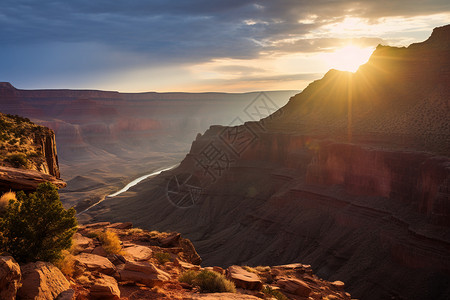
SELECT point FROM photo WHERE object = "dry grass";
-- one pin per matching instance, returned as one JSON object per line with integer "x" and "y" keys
{"x": 5, "y": 198}
{"x": 208, "y": 281}
{"x": 134, "y": 231}
{"x": 267, "y": 290}
{"x": 66, "y": 263}
{"x": 256, "y": 270}
{"x": 163, "y": 257}
{"x": 110, "y": 242}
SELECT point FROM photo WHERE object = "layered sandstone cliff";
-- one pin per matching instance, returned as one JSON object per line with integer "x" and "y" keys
{"x": 352, "y": 176}
{"x": 28, "y": 154}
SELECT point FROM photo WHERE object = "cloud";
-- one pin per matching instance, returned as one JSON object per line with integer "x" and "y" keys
{"x": 80, "y": 37}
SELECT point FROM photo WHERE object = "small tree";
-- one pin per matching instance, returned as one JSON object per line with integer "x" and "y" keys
{"x": 36, "y": 226}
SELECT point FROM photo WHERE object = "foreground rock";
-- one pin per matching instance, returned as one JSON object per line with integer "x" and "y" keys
{"x": 143, "y": 272}
{"x": 104, "y": 287}
{"x": 42, "y": 280}
{"x": 10, "y": 278}
{"x": 93, "y": 262}
{"x": 244, "y": 279}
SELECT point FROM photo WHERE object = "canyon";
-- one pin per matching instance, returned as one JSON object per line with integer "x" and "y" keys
{"x": 106, "y": 139}
{"x": 351, "y": 176}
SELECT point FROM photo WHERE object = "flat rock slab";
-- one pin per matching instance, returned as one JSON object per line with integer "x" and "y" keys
{"x": 294, "y": 286}
{"x": 82, "y": 241}
{"x": 138, "y": 253}
{"x": 244, "y": 279}
{"x": 143, "y": 272}
{"x": 94, "y": 262}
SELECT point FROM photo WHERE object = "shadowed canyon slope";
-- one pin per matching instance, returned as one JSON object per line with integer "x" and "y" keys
{"x": 351, "y": 176}
{"x": 106, "y": 139}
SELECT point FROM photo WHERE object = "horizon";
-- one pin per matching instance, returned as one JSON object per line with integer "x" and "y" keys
{"x": 196, "y": 47}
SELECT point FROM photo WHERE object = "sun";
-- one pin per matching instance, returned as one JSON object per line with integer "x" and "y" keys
{"x": 348, "y": 58}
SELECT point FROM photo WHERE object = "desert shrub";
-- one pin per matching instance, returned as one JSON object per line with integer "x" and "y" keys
{"x": 110, "y": 242}
{"x": 66, "y": 263}
{"x": 273, "y": 293}
{"x": 6, "y": 198}
{"x": 17, "y": 160}
{"x": 208, "y": 281}
{"x": 36, "y": 226}
{"x": 163, "y": 257}
{"x": 132, "y": 231}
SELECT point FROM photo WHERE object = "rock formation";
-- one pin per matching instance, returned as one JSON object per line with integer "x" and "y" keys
{"x": 352, "y": 176}
{"x": 27, "y": 155}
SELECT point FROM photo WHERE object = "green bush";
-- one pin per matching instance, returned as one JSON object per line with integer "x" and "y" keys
{"x": 163, "y": 257}
{"x": 36, "y": 226}
{"x": 208, "y": 281}
{"x": 17, "y": 160}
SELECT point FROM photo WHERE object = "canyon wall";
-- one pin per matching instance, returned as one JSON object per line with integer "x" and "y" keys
{"x": 351, "y": 176}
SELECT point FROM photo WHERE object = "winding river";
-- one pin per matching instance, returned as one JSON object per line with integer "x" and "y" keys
{"x": 129, "y": 185}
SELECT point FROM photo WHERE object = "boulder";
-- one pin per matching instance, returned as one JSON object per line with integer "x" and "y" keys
{"x": 43, "y": 281}
{"x": 99, "y": 250}
{"x": 188, "y": 266}
{"x": 10, "y": 277}
{"x": 244, "y": 279}
{"x": 294, "y": 286}
{"x": 138, "y": 253}
{"x": 93, "y": 262}
{"x": 104, "y": 287}
{"x": 143, "y": 272}
{"x": 82, "y": 241}
{"x": 173, "y": 239}
{"x": 338, "y": 284}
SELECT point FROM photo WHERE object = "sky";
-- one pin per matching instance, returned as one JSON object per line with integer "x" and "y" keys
{"x": 200, "y": 45}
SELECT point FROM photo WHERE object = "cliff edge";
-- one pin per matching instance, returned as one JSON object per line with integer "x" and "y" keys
{"x": 27, "y": 154}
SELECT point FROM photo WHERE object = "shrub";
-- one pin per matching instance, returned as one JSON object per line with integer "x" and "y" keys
{"x": 6, "y": 198}
{"x": 134, "y": 231}
{"x": 36, "y": 226}
{"x": 110, "y": 242}
{"x": 163, "y": 257}
{"x": 17, "y": 160}
{"x": 66, "y": 263}
{"x": 208, "y": 281}
{"x": 273, "y": 293}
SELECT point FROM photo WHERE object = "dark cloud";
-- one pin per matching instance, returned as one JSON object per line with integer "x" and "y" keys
{"x": 85, "y": 36}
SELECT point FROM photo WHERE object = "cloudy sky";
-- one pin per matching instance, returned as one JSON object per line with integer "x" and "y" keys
{"x": 199, "y": 45}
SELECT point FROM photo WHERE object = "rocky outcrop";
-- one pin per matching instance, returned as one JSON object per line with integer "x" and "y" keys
{"x": 27, "y": 180}
{"x": 104, "y": 287}
{"x": 93, "y": 262}
{"x": 42, "y": 280}
{"x": 244, "y": 279}
{"x": 10, "y": 278}
{"x": 47, "y": 143}
{"x": 143, "y": 272}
